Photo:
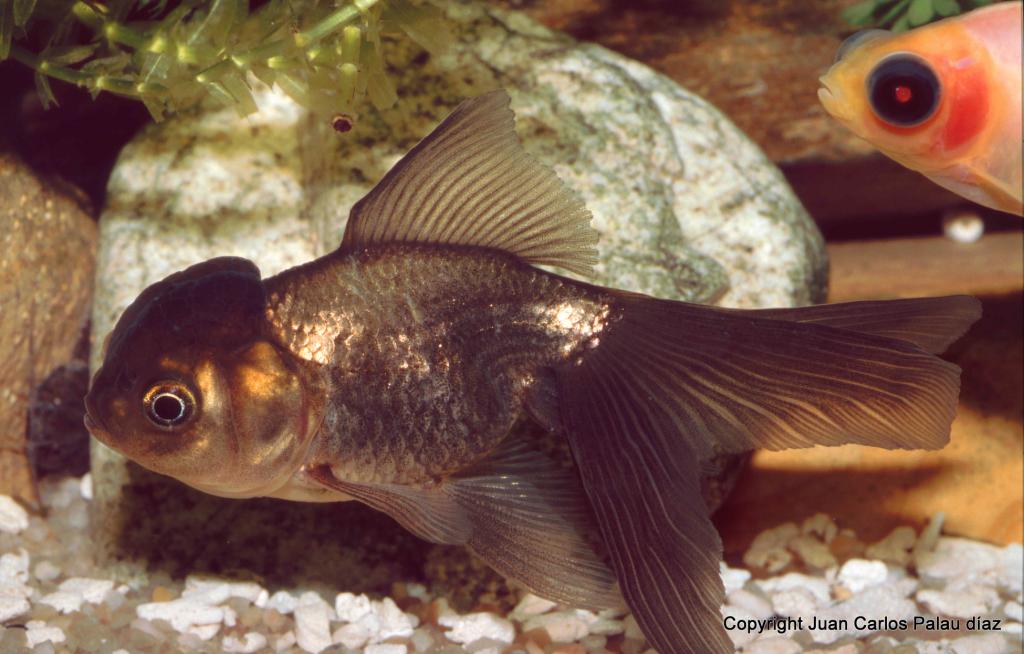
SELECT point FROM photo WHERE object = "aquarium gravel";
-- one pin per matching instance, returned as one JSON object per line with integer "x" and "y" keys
{"x": 956, "y": 596}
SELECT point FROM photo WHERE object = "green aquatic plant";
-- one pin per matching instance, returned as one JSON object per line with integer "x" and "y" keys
{"x": 901, "y": 15}
{"x": 326, "y": 55}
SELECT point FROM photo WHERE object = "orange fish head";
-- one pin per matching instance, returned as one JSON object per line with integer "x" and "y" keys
{"x": 923, "y": 97}
{"x": 191, "y": 388}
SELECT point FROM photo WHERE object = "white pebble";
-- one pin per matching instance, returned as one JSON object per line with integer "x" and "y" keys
{"x": 247, "y": 644}
{"x": 283, "y": 602}
{"x": 562, "y": 626}
{"x": 85, "y": 486}
{"x": 752, "y": 603}
{"x": 285, "y": 641}
{"x": 894, "y": 548}
{"x": 474, "y": 626}
{"x": 393, "y": 622}
{"x": 12, "y": 605}
{"x": 963, "y": 226}
{"x": 732, "y": 578}
{"x": 960, "y": 603}
{"x": 820, "y": 525}
{"x": 631, "y": 629}
{"x": 858, "y": 574}
{"x": 220, "y": 590}
{"x": 312, "y": 625}
{"x": 14, "y": 568}
{"x": 772, "y": 645}
{"x": 798, "y": 602}
{"x": 353, "y": 635}
{"x": 531, "y": 605}
{"x": 886, "y": 601}
{"x": 204, "y": 631}
{"x": 606, "y": 627}
{"x": 46, "y": 571}
{"x": 813, "y": 552}
{"x": 739, "y": 637}
{"x": 981, "y": 644}
{"x": 421, "y": 640}
{"x": 13, "y": 518}
{"x": 1013, "y": 628}
{"x": 37, "y": 631}
{"x": 182, "y": 613}
{"x": 795, "y": 580}
{"x": 929, "y": 537}
{"x": 768, "y": 550}
{"x": 350, "y": 607}
{"x": 386, "y": 648}
{"x": 1014, "y": 611}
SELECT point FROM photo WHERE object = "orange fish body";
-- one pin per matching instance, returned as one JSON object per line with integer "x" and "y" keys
{"x": 944, "y": 100}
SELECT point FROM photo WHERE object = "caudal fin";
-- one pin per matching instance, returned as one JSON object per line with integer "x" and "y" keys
{"x": 672, "y": 384}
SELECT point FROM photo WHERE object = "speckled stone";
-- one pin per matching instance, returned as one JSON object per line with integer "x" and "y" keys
{"x": 47, "y": 250}
{"x": 688, "y": 208}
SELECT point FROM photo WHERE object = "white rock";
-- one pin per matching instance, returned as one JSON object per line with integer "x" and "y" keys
{"x": 887, "y": 601}
{"x": 981, "y": 644}
{"x": 182, "y": 613}
{"x": 247, "y": 644}
{"x": 12, "y": 605}
{"x": 631, "y": 629}
{"x": 795, "y": 603}
{"x": 531, "y": 605}
{"x": 813, "y": 552}
{"x": 732, "y": 578}
{"x": 120, "y": 651}
{"x": 386, "y": 648}
{"x": 418, "y": 591}
{"x": 768, "y": 549}
{"x": 85, "y": 486}
{"x": 820, "y": 525}
{"x": 895, "y": 547}
{"x": 14, "y": 568}
{"x": 37, "y": 631}
{"x": 772, "y": 645}
{"x": 284, "y": 641}
{"x": 46, "y": 571}
{"x": 203, "y": 631}
{"x": 1011, "y": 627}
{"x": 606, "y": 627}
{"x": 960, "y": 561}
{"x": 795, "y": 580}
{"x": 474, "y": 626}
{"x": 62, "y": 601}
{"x": 422, "y": 640}
{"x": 1012, "y": 576}
{"x": 562, "y": 626}
{"x": 739, "y": 637}
{"x": 283, "y": 602}
{"x": 352, "y": 608}
{"x": 960, "y": 603}
{"x": 393, "y": 622}
{"x": 752, "y": 603}
{"x": 13, "y": 518}
{"x": 312, "y": 624}
{"x": 929, "y": 537}
{"x": 220, "y": 590}
{"x": 1014, "y": 611}
{"x": 353, "y": 635}
{"x": 858, "y": 574}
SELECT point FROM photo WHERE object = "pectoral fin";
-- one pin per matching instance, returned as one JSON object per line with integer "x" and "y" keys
{"x": 518, "y": 510}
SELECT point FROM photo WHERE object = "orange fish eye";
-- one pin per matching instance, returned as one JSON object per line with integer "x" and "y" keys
{"x": 903, "y": 90}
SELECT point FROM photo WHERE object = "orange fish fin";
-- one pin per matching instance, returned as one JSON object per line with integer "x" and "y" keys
{"x": 470, "y": 182}
{"x": 518, "y": 510}
{"x": 671, "y": 385}
{"x": 931, "y": 323}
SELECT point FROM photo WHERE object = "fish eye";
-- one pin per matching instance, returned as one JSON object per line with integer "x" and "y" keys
{"x": 904, "y": 90}
{"x": 169, "y": 404}
{"x": 856, "y": 39}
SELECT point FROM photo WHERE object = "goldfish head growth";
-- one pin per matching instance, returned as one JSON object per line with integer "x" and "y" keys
{"x": 190, "y": 388}
{"x": 921, "y": 100}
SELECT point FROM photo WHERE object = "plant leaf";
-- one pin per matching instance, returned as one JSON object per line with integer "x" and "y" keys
{"x": 894, "y": 11}
{"x": 44, "y": 91}
{"x": 946, "y": 7}
{"x": 22, "y": 11}
{"x": 6, "y": 28}
{"x": 69, "y": 54}
{"x": 860, "y": 13}
{"x": 920, "y": 12}
{"x": 902, "y": 24}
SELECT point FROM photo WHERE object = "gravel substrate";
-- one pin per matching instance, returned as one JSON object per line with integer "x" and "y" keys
{"x": 907, "y": 593}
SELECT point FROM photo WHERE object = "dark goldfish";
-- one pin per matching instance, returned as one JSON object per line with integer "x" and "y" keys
{"x": 391, "y": 371}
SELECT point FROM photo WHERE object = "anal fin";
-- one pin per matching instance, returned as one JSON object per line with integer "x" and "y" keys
{"x": 518, "y": 510}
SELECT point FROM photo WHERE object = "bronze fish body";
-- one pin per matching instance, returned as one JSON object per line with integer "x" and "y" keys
{"x": 391, "y": 371}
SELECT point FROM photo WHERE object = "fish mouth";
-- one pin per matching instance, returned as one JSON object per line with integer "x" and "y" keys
{"x": 831, "y": 99}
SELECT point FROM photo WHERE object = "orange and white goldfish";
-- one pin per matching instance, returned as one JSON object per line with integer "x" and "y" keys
{"x": 943, "y": 99}
{"x": 392, "y": 370}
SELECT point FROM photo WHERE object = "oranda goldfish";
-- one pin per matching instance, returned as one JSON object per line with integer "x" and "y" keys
{"x": 391, "y": 370}
{"x": 944, "y": 100}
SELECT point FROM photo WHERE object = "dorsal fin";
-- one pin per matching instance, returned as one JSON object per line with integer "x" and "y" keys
{"x": 470, "y": 182}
